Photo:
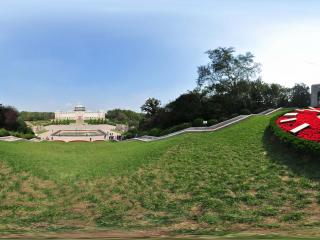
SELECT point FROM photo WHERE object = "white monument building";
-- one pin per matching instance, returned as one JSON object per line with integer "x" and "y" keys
{"x": 79, "y": 114}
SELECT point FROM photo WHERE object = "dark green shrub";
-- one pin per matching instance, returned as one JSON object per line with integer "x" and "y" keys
{"x": 259, "y": 110}
{"x": 4, "y": 132}
{"x": 292, "y": 217}
{"x": 155, "y": 132}
{"x": 176, "y": 128}
{"x": 23, "y": 135}
{"x": 197, "y": 122}
{"x": 245, "y": 111}
{"x": 28, "y": 136}
{"x": 222, "y": 119}
{"x": 131, "y": 133}
{"x": 212, "y": 122}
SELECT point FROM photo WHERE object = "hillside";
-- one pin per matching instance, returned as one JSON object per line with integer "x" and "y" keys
{"x": 231, "y": 180}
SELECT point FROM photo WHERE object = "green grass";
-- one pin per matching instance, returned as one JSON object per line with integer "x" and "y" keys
{"x": 235, "y": 179}
{"x": 58, "y": 161}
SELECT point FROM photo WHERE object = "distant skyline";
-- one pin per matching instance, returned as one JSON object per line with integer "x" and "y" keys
{"x": 109, "y": 54}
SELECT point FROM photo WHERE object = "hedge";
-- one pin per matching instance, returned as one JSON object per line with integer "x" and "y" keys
{"x": 175, "y": 128}
{"x": 299, "y": 144}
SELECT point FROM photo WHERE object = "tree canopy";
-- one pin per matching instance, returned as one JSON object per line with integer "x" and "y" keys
{"x": 228, "y": 85}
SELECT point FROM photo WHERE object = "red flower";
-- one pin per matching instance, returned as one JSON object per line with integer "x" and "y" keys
{"x": 306, "y": 116}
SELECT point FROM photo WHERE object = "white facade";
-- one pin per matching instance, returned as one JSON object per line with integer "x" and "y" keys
{"x": 79, "y": 113}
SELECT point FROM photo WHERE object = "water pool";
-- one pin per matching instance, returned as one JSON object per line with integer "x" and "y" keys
{"x": 78, "y": 133}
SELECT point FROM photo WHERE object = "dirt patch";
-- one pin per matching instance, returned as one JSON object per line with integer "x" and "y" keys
{"x": 160, "y": 234}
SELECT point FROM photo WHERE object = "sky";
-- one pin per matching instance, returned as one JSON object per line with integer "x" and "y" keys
{"x": 109, "y": 54}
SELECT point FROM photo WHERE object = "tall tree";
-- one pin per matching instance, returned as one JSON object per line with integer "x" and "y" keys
{"x": 227, "y": 68}
{"x": 300, "y": 95}
{"x": 151, "y": 107}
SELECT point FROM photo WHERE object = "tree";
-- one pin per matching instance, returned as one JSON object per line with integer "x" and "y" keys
{"x": 122, "y": 116}
{"x": 300, "y": 95}
{"x": 228, "y": 85}
{"x": 185, "y": 108}
{"x": 227, "y": 69}
{"x": 151, "y": 107}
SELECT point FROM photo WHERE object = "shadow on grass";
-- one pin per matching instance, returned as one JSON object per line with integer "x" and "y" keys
{"x": 301, "y": 164}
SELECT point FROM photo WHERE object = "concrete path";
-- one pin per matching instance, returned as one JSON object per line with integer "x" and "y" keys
{"x": 11, "y": 139}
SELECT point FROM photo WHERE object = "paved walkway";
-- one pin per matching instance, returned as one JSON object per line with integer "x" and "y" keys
{"x": 11, "y": 139}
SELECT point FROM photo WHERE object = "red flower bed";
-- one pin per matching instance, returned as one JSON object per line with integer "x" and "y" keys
{"x": 306, "y": 116}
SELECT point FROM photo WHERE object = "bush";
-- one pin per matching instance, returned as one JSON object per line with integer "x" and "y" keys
{"x": 212, "y": 122}
{"x": 245, "y": 111}
{"x": 155, "y": 132}
{"x": 233, "y": 115}
{"x": 4, "y": 132}
{"x": 28, "y": 136}
{"x": 130, "y": 134}
{"x": 259, "y": 110}
{"x": 23, "y": 135}
{"x": 197, "y": 122}
{"x": 176, "y": 128}
{"x": 222, "y": 119}
{"x": 299, "y": 144}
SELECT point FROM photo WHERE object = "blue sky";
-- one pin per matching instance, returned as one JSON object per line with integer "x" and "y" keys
{"x": 116, "y": 53}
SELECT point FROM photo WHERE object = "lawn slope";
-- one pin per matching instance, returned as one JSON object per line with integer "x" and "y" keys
{"x": 235, "y": 179}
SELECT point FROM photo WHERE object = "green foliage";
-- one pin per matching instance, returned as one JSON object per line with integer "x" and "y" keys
{"x": 4, "y": 132}
{"x": 98, "y": 121}
{"x": 212, "y": 122}
{"x": 26, "y": 135}
{"x": 155, "y": 132}
{"x": 23, "y": 135}
{"x": 36, "y": 116}
{"x": 176, "y": 128}
{"x": 245, "y": 111}
{"x": 197, "y": 122}
{"x": 131, "y": 133}
{"x": 121, "y": 116}
{"x": 291, "y": 217}
{"x": 62, "y": 122}
{"x": 151, "y": 107}
{"x": 228, "y": 68}
{"x": 11, "y": 120}
{"x": 229, "y": 84}
{"x": 300, "y": 95}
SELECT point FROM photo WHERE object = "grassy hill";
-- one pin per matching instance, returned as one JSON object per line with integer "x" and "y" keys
{"x": 231, "y": 180}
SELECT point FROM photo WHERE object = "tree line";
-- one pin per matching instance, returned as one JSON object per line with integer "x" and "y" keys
{"x": 11, "y": 123}
{"x": 120, "y": 116}
{"x": 228, "y": 85}
{"x": 37, "y": 116}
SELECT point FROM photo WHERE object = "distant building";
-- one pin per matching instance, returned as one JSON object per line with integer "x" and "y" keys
{"x": 79, "y": 114}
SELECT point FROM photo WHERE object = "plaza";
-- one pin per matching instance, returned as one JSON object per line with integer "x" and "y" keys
{"x": 79, "y": 133}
